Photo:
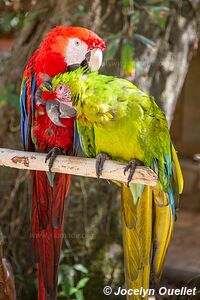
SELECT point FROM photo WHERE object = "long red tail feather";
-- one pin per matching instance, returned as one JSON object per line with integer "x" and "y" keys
{"x": 47, "y": 229}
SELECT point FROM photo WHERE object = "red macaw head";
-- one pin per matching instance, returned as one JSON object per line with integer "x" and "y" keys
{"x": 66, "y": 48}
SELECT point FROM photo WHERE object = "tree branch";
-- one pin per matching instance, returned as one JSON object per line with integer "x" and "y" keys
{"x": 80, "y": 166}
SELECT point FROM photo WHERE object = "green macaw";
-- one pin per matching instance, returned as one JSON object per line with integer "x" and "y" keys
{"x": 116, "y": 119}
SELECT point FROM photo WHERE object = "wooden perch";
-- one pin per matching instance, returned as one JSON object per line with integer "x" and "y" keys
{"x": 80, "y": 166}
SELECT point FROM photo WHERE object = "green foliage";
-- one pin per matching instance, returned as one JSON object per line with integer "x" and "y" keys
{"x": 81, "y": 10}
{"x": 127, "y": 62}
{"x": 80, "y": 268}
{"x": 35, "y": 13}
{"x": 8, "y": 96}
{"x": 133, "y": 11}
{"x": 144, "y": 40}
{"x": 159, "y": 14}
{"x": 11, "y": 21}
{"x": 135, "y": 17}
{"x": 72, "y": 279}
{"x": 127, "y": 3}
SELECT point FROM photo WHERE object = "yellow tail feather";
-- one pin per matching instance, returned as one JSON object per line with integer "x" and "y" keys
{"x": 137, "y": 237}
{"x": 162, "y": 231}
{"x": 146, "y": 229}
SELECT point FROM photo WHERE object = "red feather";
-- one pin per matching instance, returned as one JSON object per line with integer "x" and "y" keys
{"x": 43, "y": 135}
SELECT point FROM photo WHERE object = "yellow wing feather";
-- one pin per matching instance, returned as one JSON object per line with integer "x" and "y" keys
{"x": 178, "y": 170}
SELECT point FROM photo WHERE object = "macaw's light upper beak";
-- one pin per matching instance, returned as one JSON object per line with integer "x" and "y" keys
{"x": 95, "y": 61}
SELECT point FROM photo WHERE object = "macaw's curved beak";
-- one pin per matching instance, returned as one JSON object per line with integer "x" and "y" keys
{"x": 92, "y": 61}
{"x": 95, "y": 61}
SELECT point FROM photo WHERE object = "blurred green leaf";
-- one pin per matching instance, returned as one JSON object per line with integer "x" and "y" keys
{"x": 127, "y": 62}
{"x": 8, "y": 96}
{"x": 160, "y": 8}
{"x": 60, "y": 278}
{"x": 67, "y": 286}
{"x": 81, "y": 10}
{"x": 125, "y": 3}
{"x": 82, "y": 283}
{"x": 73, "y": 291}
{"x": 135, "y": 17}
{"x": 81, "y": 268}
{"x": 64, "y": 268}
{"x": 35, "y": 13}
{"x": 157, "y": 2}
{"x": 144, "y": 40}
{"x": 64, "y": 254}
{"x": 79, "y": 295}
{"x": 69, "y": 279}
{"x": 11, "y": 21}
{"x": 160, "y": 14}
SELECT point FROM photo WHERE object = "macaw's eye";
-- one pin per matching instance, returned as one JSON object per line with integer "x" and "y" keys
{"x": 77, "y": 43}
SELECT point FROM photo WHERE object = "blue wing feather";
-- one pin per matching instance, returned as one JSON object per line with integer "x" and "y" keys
{"x": 25, "y": 117}
{"x": 76, "y": 139}
{"x": 24, "y": 114}
{"x": 171, "y": 200}
{"x": 33, "y": 87}
{"x": 168, "y": 166}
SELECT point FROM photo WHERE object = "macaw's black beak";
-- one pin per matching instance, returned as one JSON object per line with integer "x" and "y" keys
{"x": 56, "y": 110}
{"x": 73, "y": 67}
{"x": 84, "y": 63}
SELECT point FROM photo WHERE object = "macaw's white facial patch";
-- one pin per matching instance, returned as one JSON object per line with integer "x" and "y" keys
{"x": 75, "y": 52}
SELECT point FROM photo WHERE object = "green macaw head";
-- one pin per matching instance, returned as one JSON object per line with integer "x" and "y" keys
{"x": 68, "y": 86}
{"x": 67, "y": 89}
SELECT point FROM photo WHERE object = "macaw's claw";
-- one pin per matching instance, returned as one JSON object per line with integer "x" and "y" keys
{"x": 132, "y": 166}
{"x": 38, "y": 95}
{"x": 100, "y": 160}
{"x": 51, "y": 156}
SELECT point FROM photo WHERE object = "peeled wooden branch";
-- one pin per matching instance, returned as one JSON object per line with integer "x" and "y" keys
{"x": 80, "y": 166}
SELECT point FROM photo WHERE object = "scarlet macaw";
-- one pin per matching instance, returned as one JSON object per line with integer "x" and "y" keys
{"x": 118, "y": 120}
{"x": 64, "y": 49}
